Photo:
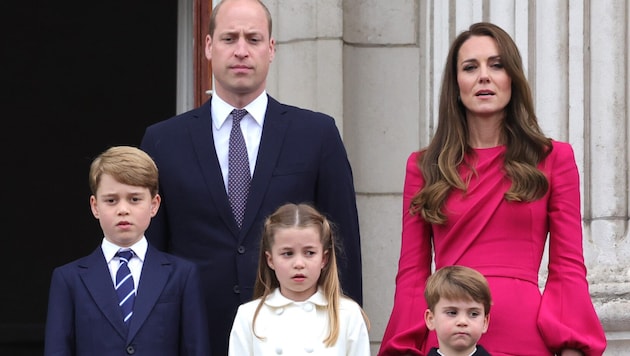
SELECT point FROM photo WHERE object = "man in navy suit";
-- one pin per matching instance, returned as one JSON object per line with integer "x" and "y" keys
{"x": 294, "y": 155}
{"x": 166, "y": 314}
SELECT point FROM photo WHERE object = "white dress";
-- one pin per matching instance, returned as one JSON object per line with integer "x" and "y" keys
{"x": 297, "y": 328}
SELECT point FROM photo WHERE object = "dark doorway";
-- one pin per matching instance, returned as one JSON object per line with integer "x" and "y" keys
{"x": 78, "y": 77}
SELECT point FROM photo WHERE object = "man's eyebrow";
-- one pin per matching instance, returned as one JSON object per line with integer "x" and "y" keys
{"x": 247, "y": 32}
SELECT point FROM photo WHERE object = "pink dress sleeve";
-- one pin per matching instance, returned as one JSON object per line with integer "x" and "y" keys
{"x": 406, "y": 330}
{"x": 567, "y": 318}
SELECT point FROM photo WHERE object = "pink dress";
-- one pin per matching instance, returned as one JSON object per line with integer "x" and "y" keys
{"x": 505, "y": 241}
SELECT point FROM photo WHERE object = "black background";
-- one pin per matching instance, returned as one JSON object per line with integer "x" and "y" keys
{"x": 77, "y": 77}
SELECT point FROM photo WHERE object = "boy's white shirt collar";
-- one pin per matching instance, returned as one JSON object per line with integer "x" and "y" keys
{"x": 110, "y": 249}
{"x": 472, "y": 353}
{"x": 220, "y": 110}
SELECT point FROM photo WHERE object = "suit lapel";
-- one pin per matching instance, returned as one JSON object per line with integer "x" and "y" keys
{"x": 95, "y": 275}
{"x": 156, "y": 270}
{"x": 200, "y": 128}
{"x": 274, "y": 130}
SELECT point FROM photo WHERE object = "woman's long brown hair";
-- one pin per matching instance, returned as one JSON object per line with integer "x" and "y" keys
{"x": 526, "y": 144}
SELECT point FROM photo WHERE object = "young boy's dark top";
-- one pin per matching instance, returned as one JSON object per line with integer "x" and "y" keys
{"x": 479, "y": 352}
{"x": 84, "y": 318}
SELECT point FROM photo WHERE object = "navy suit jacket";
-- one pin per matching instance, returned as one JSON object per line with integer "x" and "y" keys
{"x": 301, "y": 159}
{"x": 169, "y": 312}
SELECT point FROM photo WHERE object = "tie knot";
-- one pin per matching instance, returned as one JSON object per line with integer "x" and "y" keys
{"x": 125, "y": 256}
{"x": 237, "y": 115}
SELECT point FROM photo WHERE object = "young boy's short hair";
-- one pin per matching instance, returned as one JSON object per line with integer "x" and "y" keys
{"x": 457, "y": 283}
{"x": 127, "y": 165}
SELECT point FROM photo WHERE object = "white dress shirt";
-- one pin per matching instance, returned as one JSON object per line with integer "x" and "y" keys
{"x": 292, "y": 328}
{"x": 135, "y": 264}
{"x": 251, "y": 126}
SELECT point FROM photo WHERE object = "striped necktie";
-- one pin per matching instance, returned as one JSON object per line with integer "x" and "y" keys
{"x": 124, "y": 286}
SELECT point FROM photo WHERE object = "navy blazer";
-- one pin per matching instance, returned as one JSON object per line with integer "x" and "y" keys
{"x": 84, "y": 317}
{"x": 301, "y": 159}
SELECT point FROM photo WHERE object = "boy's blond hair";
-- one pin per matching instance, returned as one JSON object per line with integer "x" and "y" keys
{"x": 127, "y": 165}
{"x": 457, "y": 283}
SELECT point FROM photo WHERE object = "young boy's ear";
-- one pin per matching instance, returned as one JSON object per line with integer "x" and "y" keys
{"x": 155, "y": 204}
{"x": 428, "y": 319}
{"x": 486, "y": 322}
{"x": 94, "y": 206}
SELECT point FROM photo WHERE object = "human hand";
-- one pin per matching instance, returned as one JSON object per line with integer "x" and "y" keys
{"x": 571, "y": 352}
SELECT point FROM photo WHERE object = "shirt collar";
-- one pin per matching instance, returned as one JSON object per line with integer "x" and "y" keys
{"x": 220, "y": 110}
{"x": 110, "y": 249}
{"x": 277, "y": 300}
{"x": 475, "y": 350}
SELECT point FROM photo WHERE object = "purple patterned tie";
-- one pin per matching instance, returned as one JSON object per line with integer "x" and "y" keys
{"x": 238, "y": 168}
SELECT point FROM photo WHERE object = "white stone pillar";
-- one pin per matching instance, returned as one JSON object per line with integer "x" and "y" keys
{"x": 308, "y": 70}
{"x": 382, "y": 109}
{"x": 606, "y": 141}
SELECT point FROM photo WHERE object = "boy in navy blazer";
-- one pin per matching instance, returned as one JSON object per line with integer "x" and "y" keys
{"x": 165, "y": 312}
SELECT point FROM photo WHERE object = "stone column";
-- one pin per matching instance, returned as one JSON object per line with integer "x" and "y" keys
{"x": 308, "y": 70}
{"x": 606, "y": 162}
{"x": 382, "y": 110}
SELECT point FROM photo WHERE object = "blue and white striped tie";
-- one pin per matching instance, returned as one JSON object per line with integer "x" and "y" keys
{"x": 124, "y": 286}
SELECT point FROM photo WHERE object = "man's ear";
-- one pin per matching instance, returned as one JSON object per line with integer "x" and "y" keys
{"x": 272, "y": 49}
{"x": 208, "y": 47}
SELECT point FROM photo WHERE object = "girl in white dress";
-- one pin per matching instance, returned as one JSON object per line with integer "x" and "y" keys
{"x": 298, "y": 306}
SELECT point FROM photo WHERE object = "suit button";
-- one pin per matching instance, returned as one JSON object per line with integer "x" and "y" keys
{"x": 241, "y": 250}
{"x": 236, "y": 289}
{"x": 130, "y": 350}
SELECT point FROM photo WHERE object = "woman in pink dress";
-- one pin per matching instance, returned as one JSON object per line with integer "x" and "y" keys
{"x": 487, "y": 193}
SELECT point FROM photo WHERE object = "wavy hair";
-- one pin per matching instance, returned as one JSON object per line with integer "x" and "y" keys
{"x": 526, "y": 145}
